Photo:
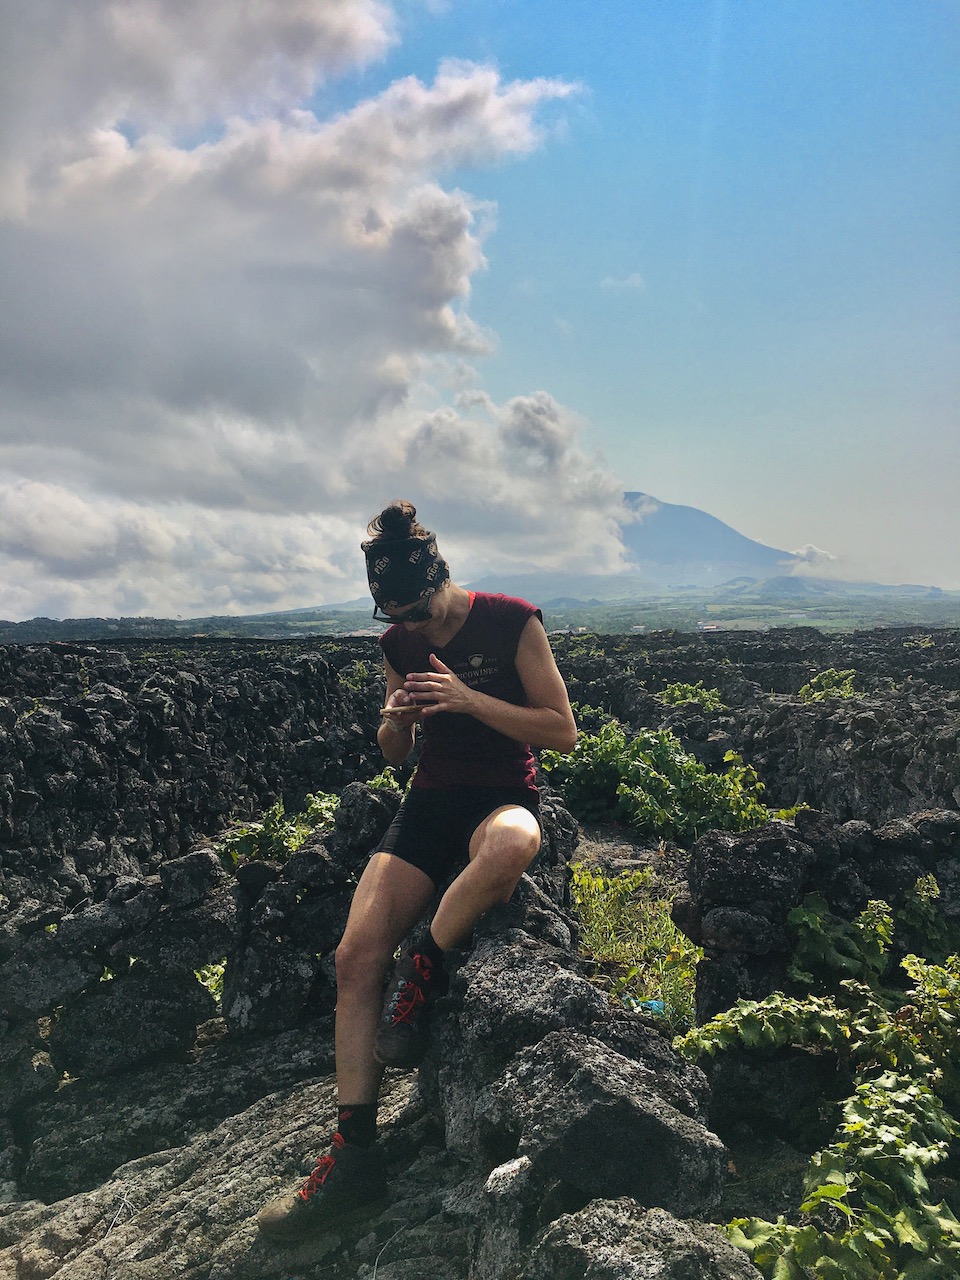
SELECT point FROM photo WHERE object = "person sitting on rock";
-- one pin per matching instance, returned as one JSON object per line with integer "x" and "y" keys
{"x": 475, "y": 671}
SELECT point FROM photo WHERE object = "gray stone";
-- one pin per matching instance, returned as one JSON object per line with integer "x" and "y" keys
{"x": 117, "y": 1024}
{"x": 362, "y": 818}
{"x": 621, "y": 1240}
{"x": 93, "y": 1126}
{"x": 189, "y": 879}
{"x": 730, "y": 929}
{"x": 188, "y": 938}
{"x": 268, "y": 986}
{"x": 509, "y": 994}
{"x": 592, "y": 1120}
{"x": 129, "y": 908}
{"x": 767, "y": 868}
{"x": 26, "y": 1072}
{"x": 42, "y": 974}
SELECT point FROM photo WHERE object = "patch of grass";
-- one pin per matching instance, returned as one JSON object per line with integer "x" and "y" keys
{"x": 211, "y": 976}
{"x": 356, "y": 676}
{"x": 387, "y": 780}
{"x": 640, "y": 953}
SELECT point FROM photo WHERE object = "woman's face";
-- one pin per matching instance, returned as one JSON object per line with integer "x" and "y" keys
{"x": 416, "y": 616}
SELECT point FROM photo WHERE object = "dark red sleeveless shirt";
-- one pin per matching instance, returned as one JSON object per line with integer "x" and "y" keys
{"x": 457, "y": 750}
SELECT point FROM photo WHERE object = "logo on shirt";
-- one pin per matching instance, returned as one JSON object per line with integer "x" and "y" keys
{"x": 476, "y": 660}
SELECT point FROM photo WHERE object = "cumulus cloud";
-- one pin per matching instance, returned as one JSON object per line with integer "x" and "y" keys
{"x": 66, "y": 69}
{"x": 240, "y": 346}
{"x": 507, "y": 486}
{"x": 808, "y": 559}
{"x": 66, "y": 553}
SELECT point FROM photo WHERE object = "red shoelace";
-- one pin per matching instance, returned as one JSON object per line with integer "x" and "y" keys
{"x": 411, "y": 994}
{"x": 319, "y": 1175}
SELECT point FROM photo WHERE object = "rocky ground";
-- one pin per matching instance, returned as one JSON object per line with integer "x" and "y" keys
{"x": 540, "y": 1123}
{"x": 548, "y": 1136}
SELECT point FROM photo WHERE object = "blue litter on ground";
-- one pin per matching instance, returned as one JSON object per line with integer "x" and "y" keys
{"x": 644, "y": 1006}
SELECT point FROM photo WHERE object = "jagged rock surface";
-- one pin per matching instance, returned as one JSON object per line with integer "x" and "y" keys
{"x": 160, "y": 1169}
{"x": 619, "y": 1240}
{"x": 742, "y": 887}
{"x": 151, "y": 1155}
{"x": 114, "y": 760}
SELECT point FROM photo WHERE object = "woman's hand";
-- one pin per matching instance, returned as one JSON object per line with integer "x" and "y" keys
{"x": 401, "y": 709}
{"x": 439, "y": 690}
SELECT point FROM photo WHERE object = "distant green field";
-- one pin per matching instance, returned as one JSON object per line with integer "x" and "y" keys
{"x": 675, "y": 611}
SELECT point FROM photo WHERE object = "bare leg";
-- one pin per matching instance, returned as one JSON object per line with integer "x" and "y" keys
{"x": 391, "y": 897}
{"x": 501, "y": 849}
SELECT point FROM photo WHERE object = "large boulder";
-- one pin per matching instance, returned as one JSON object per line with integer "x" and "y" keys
{"x": 621, "y": 1240}
{"x": 596, "y": 1122}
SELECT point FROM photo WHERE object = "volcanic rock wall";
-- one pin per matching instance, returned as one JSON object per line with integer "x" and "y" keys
{"x": 113, "y": 760}
{"x": 547, "y": 1137}
{"x": 742, "y": 887}
{"x": 892, "y": 749}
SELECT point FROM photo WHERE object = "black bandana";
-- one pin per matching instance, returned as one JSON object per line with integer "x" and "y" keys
{"x": 402, "y": 571}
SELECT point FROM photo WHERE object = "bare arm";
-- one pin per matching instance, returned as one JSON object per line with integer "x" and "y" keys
{"x": 546, "y": 720}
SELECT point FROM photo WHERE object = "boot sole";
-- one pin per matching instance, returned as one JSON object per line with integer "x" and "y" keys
{"x": 282, "y": 1234}
{"x": 387, "y": 1060}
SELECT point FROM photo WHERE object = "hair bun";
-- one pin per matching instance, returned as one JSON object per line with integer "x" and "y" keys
{"x": 398, "y": 519}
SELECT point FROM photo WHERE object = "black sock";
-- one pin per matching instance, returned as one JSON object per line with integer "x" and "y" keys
{"x": 358, "y": 1124}
{"x": 430, "y": 949}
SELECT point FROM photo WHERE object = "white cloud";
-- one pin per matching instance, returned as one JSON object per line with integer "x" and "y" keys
{"x": 68, "y": 68}
{"x": 810, "y": 560}
{"x": 633, "y": 281}
{"x": 506, "y": 485}
{"x": 221, "y": 358}
{"x": 68, "y": 554}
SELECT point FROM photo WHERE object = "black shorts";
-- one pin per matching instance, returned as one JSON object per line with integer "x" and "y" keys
{"x": 433, "y": 827}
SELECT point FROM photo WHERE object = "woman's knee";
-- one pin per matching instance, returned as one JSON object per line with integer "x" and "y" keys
{"x": 511, "y": 835}
{"x": 360, "y": 962}
{"x": 507, "y": 849}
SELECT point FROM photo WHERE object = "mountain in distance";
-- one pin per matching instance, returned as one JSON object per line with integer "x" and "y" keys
{"x": 684, "y": 545}
{"x": 677, "y": 555}
{"x": 669, "y": 546}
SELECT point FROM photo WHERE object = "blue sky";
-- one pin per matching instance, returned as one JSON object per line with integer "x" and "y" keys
{"x": 778, "y": 183}
{"x": 268, "y": 266}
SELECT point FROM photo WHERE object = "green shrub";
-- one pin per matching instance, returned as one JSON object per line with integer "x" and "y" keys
{"x": 922, "y": 918}
{"x": 649, "y": 781}
{"x": 829, "y": 949}
{"x": 829, "y": 684}
{"x": 676, "y": 695}
{"x": 320, "y": 812}
{"x": 277, "y": 836}
{"x": 387, "y": 779}
{"x": 868, "y": 1212}
{"x": 788, "y": 815}
{"x": 211, "y": 976}
{"x": 355, "y": 676}
{"x": 628, "y": 931}
{"x": 589, "y": 719}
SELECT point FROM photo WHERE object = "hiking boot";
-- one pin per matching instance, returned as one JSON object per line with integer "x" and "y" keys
{"x": 345, "y": 1185}
{"x": 402, "y": 1033}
